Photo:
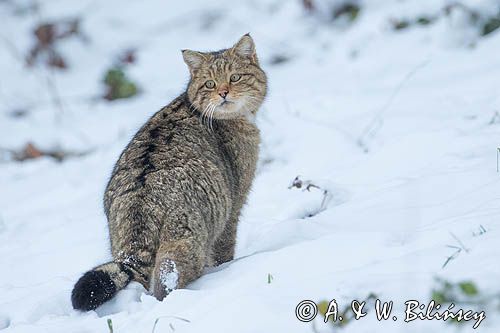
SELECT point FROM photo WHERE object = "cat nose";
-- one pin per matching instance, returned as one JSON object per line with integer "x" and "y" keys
{"x": 223, "y": 92}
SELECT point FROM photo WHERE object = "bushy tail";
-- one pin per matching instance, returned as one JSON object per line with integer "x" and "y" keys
{"x": 100, "y": 285}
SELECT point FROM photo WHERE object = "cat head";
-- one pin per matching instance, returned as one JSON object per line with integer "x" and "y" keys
{"x": 226, "y": 84}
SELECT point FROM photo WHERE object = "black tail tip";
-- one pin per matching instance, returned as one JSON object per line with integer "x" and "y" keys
{"x": 92, "y": 289}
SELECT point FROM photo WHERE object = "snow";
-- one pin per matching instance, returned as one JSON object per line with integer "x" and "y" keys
{"x": 399, "y": 126}
{"x": 169, "y": 275}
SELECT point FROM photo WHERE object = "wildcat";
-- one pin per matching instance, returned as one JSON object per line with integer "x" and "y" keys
{"x": 175, "y": 194}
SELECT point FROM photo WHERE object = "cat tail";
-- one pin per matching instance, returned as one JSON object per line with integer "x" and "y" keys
{"x": 100, "y": 285}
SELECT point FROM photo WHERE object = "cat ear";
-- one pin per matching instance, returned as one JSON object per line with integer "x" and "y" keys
{"x": 245, "y": 48}
{"x": 193, "y": 59}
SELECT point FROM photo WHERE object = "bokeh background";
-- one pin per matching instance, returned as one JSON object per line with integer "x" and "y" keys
{"x": 377, "y": 174}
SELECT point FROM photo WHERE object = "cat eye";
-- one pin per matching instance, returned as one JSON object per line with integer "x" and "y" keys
{"x": 235, "y": 77}
{"x": 210, "y": 84}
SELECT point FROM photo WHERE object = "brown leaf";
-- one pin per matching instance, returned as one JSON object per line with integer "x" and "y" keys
{"x": 46, "y": 34}
{"x": 57, "y": 61}
{"x": 308, "y": 5}
{"x": 128, "y": 57}
{"x": 30, "y": 151}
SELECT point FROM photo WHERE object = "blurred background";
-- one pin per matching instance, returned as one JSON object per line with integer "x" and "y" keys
{"x": 377, "y": 172}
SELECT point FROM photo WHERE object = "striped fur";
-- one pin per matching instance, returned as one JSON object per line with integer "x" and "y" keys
{"x": 175, "y": 194}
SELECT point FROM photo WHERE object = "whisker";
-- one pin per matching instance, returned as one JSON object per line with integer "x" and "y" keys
{"x": 253, "y": 98}
{"x": 251, "y": 105}
{"x": 212, "y": 116}
{"x": 192, "y": 108}
{"x": 209, "y": 120}
{"x": 204, "y": 114}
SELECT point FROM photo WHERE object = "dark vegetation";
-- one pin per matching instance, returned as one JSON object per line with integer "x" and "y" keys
{"x": 485, "y": 23}
{"x": 349, "y": 10}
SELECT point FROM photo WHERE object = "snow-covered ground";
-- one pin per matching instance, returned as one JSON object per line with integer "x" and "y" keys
{"x": 398, "y": 126}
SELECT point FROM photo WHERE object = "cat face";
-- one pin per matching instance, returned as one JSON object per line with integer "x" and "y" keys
{"x": 227, "y": 84}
